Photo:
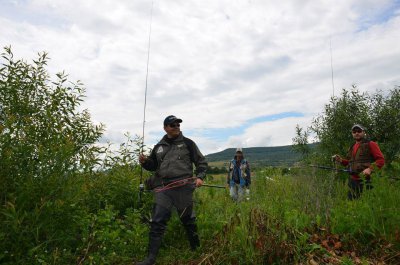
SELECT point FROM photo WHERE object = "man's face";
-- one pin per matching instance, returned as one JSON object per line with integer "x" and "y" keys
{"x": 239, "y": 156}
{"x": 172, "y": 129}
{"x": 358, "y": 134}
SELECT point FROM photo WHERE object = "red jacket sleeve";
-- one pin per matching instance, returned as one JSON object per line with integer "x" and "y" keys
{"x": 377, "y": 154}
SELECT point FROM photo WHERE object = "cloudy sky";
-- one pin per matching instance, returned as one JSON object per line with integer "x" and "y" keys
{"x": 239, "y": 73}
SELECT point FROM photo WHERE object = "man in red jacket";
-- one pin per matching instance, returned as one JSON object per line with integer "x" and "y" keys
{"x": 363, "y": 157}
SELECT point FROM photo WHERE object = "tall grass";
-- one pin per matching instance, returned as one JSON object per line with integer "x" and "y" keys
{"x": 288, "y": 219}
{"x": 291, "y": 219}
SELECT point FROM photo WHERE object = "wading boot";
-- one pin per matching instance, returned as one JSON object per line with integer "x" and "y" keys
{"x": 191, "y": 232}
{"x": 154, "y": 246}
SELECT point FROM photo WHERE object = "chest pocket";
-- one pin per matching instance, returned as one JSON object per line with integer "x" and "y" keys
{"x": 364, "y": 155}
{"x": 161, "y": 152}
{"x": 173, "y": 153}
{"x": 182, "y": 152}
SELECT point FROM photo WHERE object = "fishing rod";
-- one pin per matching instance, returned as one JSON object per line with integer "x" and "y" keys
{"x": 183, "y": 182}
{"x": 203, "y": 185}
{"x": 333, "y": 169}
{"x": 141, "y": 185}
{"x": 212, "y": 186}
{"x": 175, "y": 186}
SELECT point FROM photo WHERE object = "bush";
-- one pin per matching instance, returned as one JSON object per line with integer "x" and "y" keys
{"x": 46, "y": 146}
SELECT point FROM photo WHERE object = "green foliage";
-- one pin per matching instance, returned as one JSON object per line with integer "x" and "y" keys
{"x": 300, "y": 141}
{"x": 385, "y": 122}
{"x": 116, "y": 181}
{"x": 378, "y": 112}
{"x": 216, "y": 170}
{"x": 111, "y": 239}
{"x": 43, "y": 133}
{"x": 46, "y": 142}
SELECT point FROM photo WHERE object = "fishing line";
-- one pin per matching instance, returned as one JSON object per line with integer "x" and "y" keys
{"x": 141, "y": 185}
{"x": 333, "y": 84}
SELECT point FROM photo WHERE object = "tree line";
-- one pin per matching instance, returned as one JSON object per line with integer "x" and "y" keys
{"x": 378, "y": 112}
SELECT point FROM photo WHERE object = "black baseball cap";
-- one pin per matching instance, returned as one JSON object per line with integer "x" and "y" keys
{"x": 171, "y": 119}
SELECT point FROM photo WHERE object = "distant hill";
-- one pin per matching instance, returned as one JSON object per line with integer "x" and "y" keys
{"x": 259, "y": 156}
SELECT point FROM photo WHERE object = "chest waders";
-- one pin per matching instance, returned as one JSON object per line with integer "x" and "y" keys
{"x": 359, "y": 161}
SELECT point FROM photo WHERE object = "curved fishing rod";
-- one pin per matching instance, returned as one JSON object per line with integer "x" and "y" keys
{"x": 141, "y": 185}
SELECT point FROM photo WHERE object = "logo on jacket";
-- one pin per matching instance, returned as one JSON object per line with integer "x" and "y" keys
{"x": 160, "y": 150}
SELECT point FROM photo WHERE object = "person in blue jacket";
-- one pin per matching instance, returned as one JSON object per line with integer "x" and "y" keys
{"x": 239, "y": 176}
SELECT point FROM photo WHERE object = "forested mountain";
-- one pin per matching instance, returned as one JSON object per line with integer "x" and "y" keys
{"x": 259, "y": 156}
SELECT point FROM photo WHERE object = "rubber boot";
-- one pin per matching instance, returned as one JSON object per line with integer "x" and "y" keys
{"x": 191, "y": 232}
{"x": 154, "y": 246}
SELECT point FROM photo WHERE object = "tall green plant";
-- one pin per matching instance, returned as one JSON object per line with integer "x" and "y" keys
{"x": 378, "y": 112}
{"x": 300, "y": 141}
{"x": 332, "y": 127}
{"x": 385, "y": 121}
{"x": 46, "y": 144}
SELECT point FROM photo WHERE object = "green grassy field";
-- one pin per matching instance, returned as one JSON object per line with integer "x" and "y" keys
{"x": 219, "y": 164}
{"x": 293, "y": 219}
{"x": 301, "y": 218}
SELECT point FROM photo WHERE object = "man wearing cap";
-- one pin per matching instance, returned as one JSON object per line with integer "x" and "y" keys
{"x": 172, "y": 160}
{"x": 239, "y": 176}
{"x": 363, "y": 157}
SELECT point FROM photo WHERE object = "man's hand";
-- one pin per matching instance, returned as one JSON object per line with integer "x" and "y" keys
{"x": 367, "y": 171}
{"x": 199, "y": 182}
{"x": 142, "y": 159}
{"x": 337, "y": 158}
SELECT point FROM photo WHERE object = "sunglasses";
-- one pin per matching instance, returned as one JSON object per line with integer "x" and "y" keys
{"x": 174, "y": 125}
{"x": 357, "y": 131}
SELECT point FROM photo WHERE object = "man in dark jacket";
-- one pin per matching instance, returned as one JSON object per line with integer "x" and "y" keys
{"x": 363, "y": 158}
{"x": 172, "y": 160}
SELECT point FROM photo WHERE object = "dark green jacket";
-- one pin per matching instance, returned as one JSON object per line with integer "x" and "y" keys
{"x": 173, "y": 159}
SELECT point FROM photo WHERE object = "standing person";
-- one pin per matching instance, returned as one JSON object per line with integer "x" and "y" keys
{"x": 239, "y": 175}
{"x": 172, "y": 159}
{"x": 363, "y": 157}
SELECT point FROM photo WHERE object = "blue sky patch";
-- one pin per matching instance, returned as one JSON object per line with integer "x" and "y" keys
{"x": 380, "y": 17}
{"x": 221, "y": 134}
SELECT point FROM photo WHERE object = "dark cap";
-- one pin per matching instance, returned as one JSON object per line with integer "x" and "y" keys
{"x": 171, "y": 119}
{"x": 358, "y": 126}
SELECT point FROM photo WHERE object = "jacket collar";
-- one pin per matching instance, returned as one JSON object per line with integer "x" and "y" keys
{"x": 167, "y": 142}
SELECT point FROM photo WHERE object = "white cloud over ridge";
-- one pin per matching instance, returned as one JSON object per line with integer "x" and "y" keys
{"x": 215, "y": 64}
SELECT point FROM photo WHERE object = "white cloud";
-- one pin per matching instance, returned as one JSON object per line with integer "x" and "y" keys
{"x": 270, "y": 133}
{"x": 216, "y": 64}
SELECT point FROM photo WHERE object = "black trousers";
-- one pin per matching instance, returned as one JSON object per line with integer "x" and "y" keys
{"x": 356, "y": 187}
{"x": 182, "y": 199}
